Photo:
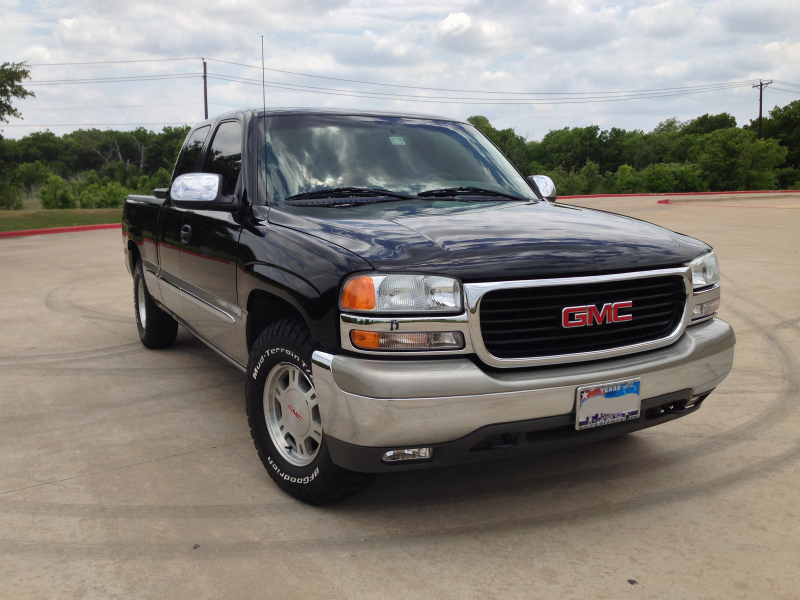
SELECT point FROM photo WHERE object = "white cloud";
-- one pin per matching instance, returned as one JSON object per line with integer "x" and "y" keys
{"x": 455, "y": 24}
{"x": 534, "y": 45}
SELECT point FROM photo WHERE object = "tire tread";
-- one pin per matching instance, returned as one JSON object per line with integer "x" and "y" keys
{"x": 161, "y": 329}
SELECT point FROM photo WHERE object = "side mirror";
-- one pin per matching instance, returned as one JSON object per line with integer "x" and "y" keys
{"x": 544, "y": 185}
{"x": 201, "y": 191}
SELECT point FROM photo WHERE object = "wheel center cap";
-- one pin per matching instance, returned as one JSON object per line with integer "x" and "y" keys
{"x": 297, "y": 415}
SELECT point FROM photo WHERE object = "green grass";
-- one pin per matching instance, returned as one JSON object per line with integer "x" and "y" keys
{"x": 13, "y": 220}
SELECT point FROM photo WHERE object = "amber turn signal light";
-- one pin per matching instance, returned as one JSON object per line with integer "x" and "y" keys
{"x": 369, "y": 340}
{"x": 359, "y": 294}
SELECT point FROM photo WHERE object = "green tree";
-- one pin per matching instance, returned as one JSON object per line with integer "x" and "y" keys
{"x": 11, "y": 77}
{"x": 783, "y": 124}
{"x": 735, "y": 159}
{"x": 56, "y": 193}
{"x": 708, "y": 123}
{"x": 671, "y": 177}
{"x": 627, "y": 180}
{"x": 30, "y": 174}
{"x": 514, "y": 146}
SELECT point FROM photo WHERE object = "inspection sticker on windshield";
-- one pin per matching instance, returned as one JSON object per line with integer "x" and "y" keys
{"x": 607, "y": 403}
{"x": 397, "y": 141}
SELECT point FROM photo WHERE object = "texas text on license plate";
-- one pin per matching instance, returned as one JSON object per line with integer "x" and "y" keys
{"x": 607, "y": 403}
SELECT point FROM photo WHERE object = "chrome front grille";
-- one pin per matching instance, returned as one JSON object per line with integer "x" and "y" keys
{"x": 528, "y": 322}
{"x": 519, "y": 323}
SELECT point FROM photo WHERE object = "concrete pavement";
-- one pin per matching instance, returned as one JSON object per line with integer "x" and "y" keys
{"x": 129, "y": 473}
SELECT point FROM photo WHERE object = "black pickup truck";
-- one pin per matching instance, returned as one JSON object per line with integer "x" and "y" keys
{"x": 400, "y": 297}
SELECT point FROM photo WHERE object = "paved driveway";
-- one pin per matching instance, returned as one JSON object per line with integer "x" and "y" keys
{"x": 130, "y": 473}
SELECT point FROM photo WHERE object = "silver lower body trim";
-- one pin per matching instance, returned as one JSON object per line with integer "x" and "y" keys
{"x": 370, "y": 402}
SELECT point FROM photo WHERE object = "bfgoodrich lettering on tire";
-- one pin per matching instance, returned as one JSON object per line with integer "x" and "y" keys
{"x": 285, "y": 421}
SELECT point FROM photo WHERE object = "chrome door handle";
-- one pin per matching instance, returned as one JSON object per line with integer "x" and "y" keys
{"x": 186, "y": 234}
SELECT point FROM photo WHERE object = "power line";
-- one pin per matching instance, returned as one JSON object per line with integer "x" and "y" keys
{"x": 744, "y": 82}
{"x": 568, "y": 98}
{"x": 695, "y": 89}
{"x": 114, "y": 79}
{"x": 97, "y": 124}
{"x": 27, "y": 110}
{"x": 110, "y": 62}
{"x": 301, "y": 74}
{"x": 468, "y": 101}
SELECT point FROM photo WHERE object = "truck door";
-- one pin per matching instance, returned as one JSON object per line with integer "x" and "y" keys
{"x": 171, "y": 223}
{"x": 208, "y": 253}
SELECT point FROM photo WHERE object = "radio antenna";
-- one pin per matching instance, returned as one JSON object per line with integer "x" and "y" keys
{"x": 263, "y": 80}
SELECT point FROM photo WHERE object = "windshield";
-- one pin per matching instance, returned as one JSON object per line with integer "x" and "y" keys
{"x": 306, "y": 153}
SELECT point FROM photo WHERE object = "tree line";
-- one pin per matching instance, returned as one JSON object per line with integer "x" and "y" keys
{"x": 87, "y": 168}
{"x": 91, "y": 168}
{"x": 709, "y": 153}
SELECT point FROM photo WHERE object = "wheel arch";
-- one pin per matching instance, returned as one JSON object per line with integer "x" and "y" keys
{"x": 265, "y": 308}
{"x": 133, "y": 255}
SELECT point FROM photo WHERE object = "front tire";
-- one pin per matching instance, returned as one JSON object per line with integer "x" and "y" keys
{"x": 157, "y": 329}
{"x": 285, "y": 421}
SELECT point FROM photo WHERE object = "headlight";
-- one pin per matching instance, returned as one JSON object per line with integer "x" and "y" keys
{"x": 402, "y": 294}
{"x": 705, "y": 270}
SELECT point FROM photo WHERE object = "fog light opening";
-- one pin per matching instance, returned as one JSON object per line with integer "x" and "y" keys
{"x": 407, "y": 454}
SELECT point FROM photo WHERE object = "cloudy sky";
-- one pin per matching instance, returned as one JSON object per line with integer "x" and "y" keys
{"x": 528, "y": 65}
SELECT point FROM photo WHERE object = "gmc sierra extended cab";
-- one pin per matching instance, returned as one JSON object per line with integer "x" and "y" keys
{"x": 400, "y": 297}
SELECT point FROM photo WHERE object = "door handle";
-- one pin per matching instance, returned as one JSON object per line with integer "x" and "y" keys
{"x": 186, "y": 234}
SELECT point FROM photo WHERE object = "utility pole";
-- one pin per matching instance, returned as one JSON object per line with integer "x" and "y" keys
{"x": 760, "y": 85}
{"x": 205, "y": 88}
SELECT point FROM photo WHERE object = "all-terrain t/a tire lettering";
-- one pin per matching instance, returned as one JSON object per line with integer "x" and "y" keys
{"x": 303, "y": 471}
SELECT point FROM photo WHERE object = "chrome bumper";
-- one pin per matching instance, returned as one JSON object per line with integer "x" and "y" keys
{"x": 403, "y": 403}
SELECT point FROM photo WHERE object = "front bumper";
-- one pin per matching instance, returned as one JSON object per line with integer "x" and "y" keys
{"x": 370, "y": 406}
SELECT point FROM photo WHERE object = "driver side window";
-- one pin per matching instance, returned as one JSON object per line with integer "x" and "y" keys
{"x": 191, "y": 151}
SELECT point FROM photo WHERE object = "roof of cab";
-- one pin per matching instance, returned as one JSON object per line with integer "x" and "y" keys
{"x": 323, "y": 111}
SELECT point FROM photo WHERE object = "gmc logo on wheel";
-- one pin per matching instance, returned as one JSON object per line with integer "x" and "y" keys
{"x": 582, "y": 316}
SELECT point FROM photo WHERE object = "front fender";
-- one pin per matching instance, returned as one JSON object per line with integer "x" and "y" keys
{"x": 301, "y": 269}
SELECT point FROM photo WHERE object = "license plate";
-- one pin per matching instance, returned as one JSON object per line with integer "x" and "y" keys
{"x": 607, "y": 403}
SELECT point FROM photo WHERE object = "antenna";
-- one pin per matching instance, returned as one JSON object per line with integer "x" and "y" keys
{"x": 263, "y": 80}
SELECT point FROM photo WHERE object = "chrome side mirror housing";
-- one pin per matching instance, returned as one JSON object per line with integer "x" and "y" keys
{"x": 544, "y": 185}
{"x": 201, "y": 191}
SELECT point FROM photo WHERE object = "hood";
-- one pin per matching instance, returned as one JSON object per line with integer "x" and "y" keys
{"x": 484, "y": 241}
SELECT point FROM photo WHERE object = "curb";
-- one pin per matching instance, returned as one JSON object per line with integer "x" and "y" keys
{"x": 24, "y": 232}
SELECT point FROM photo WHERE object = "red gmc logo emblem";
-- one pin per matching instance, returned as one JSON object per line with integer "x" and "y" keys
{"x": 582, "y": 316}
{"x": 294, "y": 412}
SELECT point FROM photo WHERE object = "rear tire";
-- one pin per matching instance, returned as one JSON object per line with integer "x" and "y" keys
{"x": 285, "y": 422}
{"x": 157, "y": 329}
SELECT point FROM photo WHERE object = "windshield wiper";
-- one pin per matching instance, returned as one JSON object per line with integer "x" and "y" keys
{"x": 468, "y": 191}
{"x": 347, "y": 192}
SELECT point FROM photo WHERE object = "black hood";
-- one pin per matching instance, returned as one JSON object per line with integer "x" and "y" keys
{"x": 483, "y": 241}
